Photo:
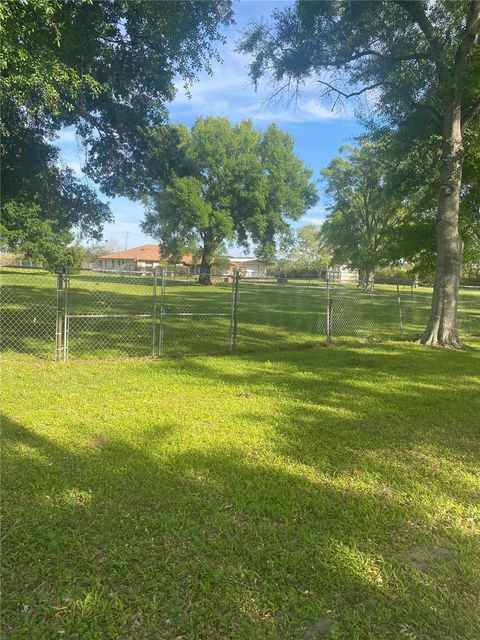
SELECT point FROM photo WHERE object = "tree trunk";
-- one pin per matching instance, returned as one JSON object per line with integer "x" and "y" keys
{"x": 361, "y": 278}
{"x": 442, "y": 326}
{"x": 205, "y": 269}
{"x": 369, "y": 281}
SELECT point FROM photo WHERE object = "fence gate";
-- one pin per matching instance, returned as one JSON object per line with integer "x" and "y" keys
{"x": 111, "y": 314}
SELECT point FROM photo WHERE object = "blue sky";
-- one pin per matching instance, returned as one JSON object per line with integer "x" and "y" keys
{"x": 318, "y": 132}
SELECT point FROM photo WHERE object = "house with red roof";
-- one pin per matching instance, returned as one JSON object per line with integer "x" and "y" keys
{"x": 143, "y": 258}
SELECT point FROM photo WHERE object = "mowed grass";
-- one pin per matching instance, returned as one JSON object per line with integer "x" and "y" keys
{"x": 115, "y": 315}
{"x": 324, "y": 493}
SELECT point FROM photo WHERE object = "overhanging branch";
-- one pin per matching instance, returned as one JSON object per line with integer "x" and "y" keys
{"x": 415, "y": 9}
{"x": 469, "y": 36}
{"x": 343, "y": 94}
{"x": 417, "y": 55}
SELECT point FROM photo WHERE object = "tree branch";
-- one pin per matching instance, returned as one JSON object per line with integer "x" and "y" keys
{"x": 353, "y": 93}
{"x": 469, "y": 36}
{"x": 414, "y": 8}
{"x": 389, "y": 58}
{"x": 471, "y": 113}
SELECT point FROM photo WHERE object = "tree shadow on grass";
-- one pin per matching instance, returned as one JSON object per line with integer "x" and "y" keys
{"x": 326, "y": 535}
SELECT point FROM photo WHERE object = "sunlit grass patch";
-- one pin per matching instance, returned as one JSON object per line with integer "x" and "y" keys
{"x": 324, "y": 493}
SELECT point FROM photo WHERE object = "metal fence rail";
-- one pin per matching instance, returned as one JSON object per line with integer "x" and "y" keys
{"x": 98, "y": 314}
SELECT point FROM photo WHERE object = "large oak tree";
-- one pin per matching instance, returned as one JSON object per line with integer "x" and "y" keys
{"x": 225, "y": 183}
{"x": 363, "y": 215}
{"x": 414, "y": 58}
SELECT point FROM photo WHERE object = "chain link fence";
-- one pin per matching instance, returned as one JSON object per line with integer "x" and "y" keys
{"x": 29, "y": 310}
{"x": 98, "y": 314}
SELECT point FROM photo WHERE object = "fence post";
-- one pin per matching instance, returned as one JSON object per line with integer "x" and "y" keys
{"x": 329, "y": 312}
{"x": 234, "y": 310}
{"x": 154, "y": 313}
{"x": 59, "y": 318}
{"x": 66, "y": 315}
{"x": 330, "y": 321}
{"x": 400, "y": 309}
{"x": 162, "y": 314}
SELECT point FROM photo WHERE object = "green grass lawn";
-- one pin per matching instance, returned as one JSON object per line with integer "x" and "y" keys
{"x": 270, "y": 315}
{"x": 317, "y": 493}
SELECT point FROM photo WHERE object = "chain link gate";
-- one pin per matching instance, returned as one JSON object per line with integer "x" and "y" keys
{"x": 113, "y": 313}
{"x": 195, "y": 317}
{"x": 131, "y": 313}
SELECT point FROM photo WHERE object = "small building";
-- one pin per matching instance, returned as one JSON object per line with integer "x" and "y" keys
{"x": 143, "y": 258}
{"x": 7, "y": 258}
{"x": 248, "y": 267}
{"x": 340, "y": 273}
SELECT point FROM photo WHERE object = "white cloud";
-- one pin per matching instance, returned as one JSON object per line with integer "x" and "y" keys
{"x": 228, "y": 92}
{"x": 75, "y": 166}
{"x": 319, "y": 211}
{"x": 312, "y": 220}
{"x": 67, "y": 135}
{"x": 315, "y": 215}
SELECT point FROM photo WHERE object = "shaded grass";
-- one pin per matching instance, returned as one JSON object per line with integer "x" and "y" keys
{"x": 328, "y": 493}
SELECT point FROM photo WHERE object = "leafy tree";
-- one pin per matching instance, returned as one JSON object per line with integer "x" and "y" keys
{"x": 229, "y": 183}
{"x": 106, "y": 67}
{"x": 97, "y": 249}
{"x": 411, "y": 178}
{"x": 359, "y": 225}
{"x": 307, "y": 252}
{"x": 44, "y": 204}
{"x": 422, "y": 61}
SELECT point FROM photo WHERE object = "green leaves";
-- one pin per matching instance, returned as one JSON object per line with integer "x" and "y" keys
{"x": 227, "y": 183}
{"x": 307, "y": 252}
{"x": 102, "y": 65}
{"x": 108, "y": 68}
{"x": 43, "y": 204}
{"x": 363, "y": 214}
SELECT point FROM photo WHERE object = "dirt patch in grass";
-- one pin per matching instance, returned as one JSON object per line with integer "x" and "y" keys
{"x": 322, "y": 627}
{"x": 98, "y": 443}
{"x": 424, "y": 557}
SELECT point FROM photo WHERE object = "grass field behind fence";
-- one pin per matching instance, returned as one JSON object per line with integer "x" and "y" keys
{"x": 113, "y": 315}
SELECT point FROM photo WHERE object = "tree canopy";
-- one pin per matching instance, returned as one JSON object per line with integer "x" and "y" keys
{"x": 307, "y": 253}
{"x": 412, "y": 179}
{"x": 106, "y": 67}
{"x": 229, "y": 183}
{"x": 43, "y": 204}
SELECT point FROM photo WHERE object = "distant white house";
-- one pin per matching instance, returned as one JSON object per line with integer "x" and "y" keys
{"x": 341, "y": 274}
{"x": 248, "y": 267}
